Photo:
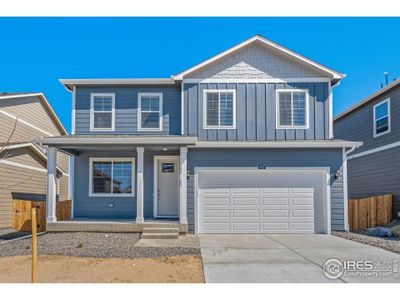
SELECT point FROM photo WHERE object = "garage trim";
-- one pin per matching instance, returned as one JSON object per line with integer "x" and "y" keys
{"x": 323, "y": 170}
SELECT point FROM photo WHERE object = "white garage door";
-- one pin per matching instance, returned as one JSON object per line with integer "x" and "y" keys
{"x": 261, "y": 202}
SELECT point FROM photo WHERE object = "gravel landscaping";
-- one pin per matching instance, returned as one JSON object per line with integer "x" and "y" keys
{"x": 390, "y": 244}
{"x": 88, "y": 244}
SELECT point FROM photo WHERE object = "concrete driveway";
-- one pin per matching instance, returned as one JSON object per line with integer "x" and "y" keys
{"x": 283, "y": 257}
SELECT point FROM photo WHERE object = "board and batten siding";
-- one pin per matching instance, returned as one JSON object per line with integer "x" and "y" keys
{"x": 126, "y": 108}
{"x": 331, "y": 158}
{"x": 256, "y": 112}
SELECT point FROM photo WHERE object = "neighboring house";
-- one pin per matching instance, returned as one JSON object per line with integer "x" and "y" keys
{"x": 374, "y": 168}
{"x": 240, "y": 143}
{"x": 23, "y": 118}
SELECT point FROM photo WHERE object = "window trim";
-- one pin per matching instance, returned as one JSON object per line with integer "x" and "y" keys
{"x": 388, "y": 115}
{"x": 307, "y": 117}
{"x": 160, "y": 112}
{"x": 92, "y": 95}
{"x": 205, "y": 126}
{"x": 111, "y": 159}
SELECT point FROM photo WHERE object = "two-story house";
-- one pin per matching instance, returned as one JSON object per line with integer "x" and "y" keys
{"x": 25, "y": 117}
{"x": 240, "y": 143}
{"x": 373, "y": 168}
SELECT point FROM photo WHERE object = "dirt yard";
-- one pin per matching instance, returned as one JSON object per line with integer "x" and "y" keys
{"x": 53, "y": 268}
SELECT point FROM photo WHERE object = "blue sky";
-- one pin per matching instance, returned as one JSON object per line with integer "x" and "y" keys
{"x": 36, "y": 52}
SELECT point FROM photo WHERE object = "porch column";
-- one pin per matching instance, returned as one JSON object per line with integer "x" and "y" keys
{"x": 139, "y": 185}
{"x": 183, "y": 187}
{"x": 51, "y": 196}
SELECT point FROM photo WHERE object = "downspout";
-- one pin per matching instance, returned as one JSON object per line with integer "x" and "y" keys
{"x": 345, "y": 187}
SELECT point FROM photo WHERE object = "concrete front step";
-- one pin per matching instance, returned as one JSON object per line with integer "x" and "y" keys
{"x": 161, "y": 230}
{"x": 157, "y": 235}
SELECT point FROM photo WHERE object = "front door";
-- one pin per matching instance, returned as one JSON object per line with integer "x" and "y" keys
{"x": 168, "y": 187}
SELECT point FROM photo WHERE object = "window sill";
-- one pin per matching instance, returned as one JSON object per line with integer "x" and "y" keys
{"x": 112, "y": 195}
{"x": 218, "y": 127}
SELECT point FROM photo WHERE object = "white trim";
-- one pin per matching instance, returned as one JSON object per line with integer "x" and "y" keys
{"x": 182, "y": 109}
{"x": 46, "y": 103}
{"x": 140, "y": 186}
{"x": 112, "y": 160}
{"x": 276, "y": 144}
{"x": 92, "y": 95}
{"x": 375, "y": 150}
{"x": 269, "y": 43}
{"x": 19, "y": 165}
{"x": 155, "y": 182}
{"x": 183, "y": 185}
{"x": 277, "y": 111}
{"x": 257, "y": 80}
{"x": 369, "y": 98}
{"x": 160, "y": 112}
{"x": 68, "y": 83}
{"x": 73, "y": 110}
{"x": 330, "y": 104}
{"x": 25, "y": 122}
{"x": 324, "y": 170}
{"x": 375, "y": 120}
{"x": 205, "y": 126}
{"x": 72, "y": 185}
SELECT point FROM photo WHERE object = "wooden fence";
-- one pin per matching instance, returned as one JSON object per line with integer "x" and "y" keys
{"x": 22, "y": 213}
{"x": 370, "y": 212}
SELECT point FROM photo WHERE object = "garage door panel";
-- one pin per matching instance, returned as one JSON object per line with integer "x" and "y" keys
{"x": 245, "y": 226}
{"x": 236, "y": 213}
{"x": 245, "y": 201}
{"x": 275, "y": 213}
{"x": 214, "y": 201}
{"x": 216, "y": 213}
{"x": 275, "y": 201}
{"x": 260, "y": 202}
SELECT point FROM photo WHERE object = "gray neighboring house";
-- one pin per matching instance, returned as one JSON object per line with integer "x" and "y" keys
{"x": 374, "y": 168}
{"x": 240, "y": 143}
{"x": 25, "y": 117}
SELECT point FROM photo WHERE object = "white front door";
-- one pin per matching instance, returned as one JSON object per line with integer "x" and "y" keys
{"x": 167, "y": 187}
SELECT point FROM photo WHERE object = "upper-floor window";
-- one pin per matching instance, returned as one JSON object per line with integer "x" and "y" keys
{"x": 102, "y": 112}
{"x": 382, "y": 118}
{"x": 150, "y": 112}
{"x": 292, "y": 109}
{"x": 219, "y": 109}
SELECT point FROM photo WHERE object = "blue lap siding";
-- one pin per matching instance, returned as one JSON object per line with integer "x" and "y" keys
{"x": 126, "y": 104}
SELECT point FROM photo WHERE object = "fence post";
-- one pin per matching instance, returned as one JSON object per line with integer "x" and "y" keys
{"x": 34, "y": 244}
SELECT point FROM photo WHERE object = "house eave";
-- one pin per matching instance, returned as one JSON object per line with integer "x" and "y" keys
{"x": 69, "y": 83}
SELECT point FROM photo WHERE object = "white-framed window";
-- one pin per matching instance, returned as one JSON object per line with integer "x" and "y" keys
{"x": 111, "y": 177}
{"x": 382, "y": 118}
{"x": 102, "y": 111}
{"x": 219, "y": 109}
{"x": 150, "y": 111}
{"x": 292, "y": 110}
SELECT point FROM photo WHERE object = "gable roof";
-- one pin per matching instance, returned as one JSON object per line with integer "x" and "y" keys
{"x": 43, "y": 99}
{"x": 368, "y": 99}
{"x": 35, "y": 149}
{"x": 336, "y": 76}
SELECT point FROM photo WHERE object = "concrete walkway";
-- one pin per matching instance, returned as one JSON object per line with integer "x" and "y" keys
{"x": 283, "y": 257}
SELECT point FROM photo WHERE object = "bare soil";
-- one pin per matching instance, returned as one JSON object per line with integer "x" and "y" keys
{"x": 69, "y": 269}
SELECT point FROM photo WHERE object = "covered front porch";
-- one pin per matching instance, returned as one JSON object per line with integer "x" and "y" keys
{"x": 121, "y": 184}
